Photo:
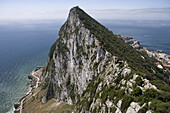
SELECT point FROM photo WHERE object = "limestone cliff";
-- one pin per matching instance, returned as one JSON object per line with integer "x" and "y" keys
{"x": 89, "y": 67}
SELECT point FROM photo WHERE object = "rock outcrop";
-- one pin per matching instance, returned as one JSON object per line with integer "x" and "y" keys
{"x": 76, "y": 51}
{"x": 90, "y": 67}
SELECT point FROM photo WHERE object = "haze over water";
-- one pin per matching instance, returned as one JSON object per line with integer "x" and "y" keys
{"x": 23, "y": 46}
{"x": 154, "y": 35}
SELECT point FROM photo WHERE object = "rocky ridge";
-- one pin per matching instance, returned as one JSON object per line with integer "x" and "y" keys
{"x": 87, "y": 72}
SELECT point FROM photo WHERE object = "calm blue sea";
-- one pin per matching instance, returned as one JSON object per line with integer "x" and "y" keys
{"x": 25, "y": 45}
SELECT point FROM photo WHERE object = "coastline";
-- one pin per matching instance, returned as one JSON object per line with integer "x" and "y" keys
{"x": 163, "y": 59}
{"x": 34, "y": 78}
{"x": 35, "y": 81}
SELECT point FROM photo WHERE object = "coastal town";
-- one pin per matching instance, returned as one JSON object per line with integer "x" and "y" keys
{"x": 163, "y": 59}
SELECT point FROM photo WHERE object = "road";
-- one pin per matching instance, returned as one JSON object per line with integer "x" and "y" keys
{"x": 33, "y": 74}
{"x": 37, "y": 81}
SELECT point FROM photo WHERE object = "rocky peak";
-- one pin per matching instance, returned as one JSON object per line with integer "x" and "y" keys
{"x": 68, "y": 70}
{"x": 73, "y": 19}
{"x": 90, "y": 67}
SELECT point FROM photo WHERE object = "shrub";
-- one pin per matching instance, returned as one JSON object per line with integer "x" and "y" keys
{"x": 104, "y": 96}
{"x": 113, "y": 110}
{"x": 164, "y": 96}
{"x": 139, "y": 81}
{"x": 121, "y": 65}
{"x": 159, "y": 106}
{"x": 119, "y": 95}
{"x": 147, "y": 96}
{"x": 143, "y": 109}
{"x": 129, "y": 76}
{"x": 151, "y": 94}
{"x": 126, "y": 102}
{"x": 161, "y": 85}
{"x": 112, "y": 93}
{"x": 118, "y": 79}
{"x": 136, "y": 92}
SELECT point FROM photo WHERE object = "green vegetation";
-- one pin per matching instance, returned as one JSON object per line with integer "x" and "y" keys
{"x": 53, "y": 48}
{"x": 143, "y": 109}
{"x": 93, "y": 57}
{"x": 139, "y": 81}
{"x": 119, "y": 48}
{"x": 130, "y": 75}
{"x": 119, "y": 95}
{"x": 160, "y": 107}
{"x": 107, "y": 92}
{"x": 91, "y": 89}
{"x": 108, "y": 41}
{"x": 121, "y": 65}
{"x": 118, "y": 79}
{"x": 161, "y": 85}
{"x": 148, "y": 95}
{"x": 34, "y": 104}
{"x": 136, "y": 92}
{"x": 126, "y": 102}
{"x": 104, "y": 96}
{"x": 159, "y": 101}
{"x": 63, "y": 108}
{"x": 71, "y": 88}
{"x": 96, "y": 64}
{"x": 50, "y": 92}
{"x": 113, "y": 110}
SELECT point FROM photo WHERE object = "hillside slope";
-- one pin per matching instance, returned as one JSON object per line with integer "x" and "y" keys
{"x": 93, "y": 70}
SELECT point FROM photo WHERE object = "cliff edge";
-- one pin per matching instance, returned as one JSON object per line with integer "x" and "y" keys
{"x": 90, "y": 69}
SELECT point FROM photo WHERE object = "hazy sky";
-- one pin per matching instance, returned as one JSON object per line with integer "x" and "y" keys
{"x": 102, "y": 9}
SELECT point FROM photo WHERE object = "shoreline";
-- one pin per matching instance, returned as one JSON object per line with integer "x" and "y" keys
{"x": 163, "y": 59}
{"x": 33, "y": 84}
{"x": 17, "y": 107}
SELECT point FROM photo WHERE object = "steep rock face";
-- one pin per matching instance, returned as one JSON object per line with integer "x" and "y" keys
{"x": 73, "y": 59}
{"x": 84, "y": 70}
{"x": 77, "y": 59}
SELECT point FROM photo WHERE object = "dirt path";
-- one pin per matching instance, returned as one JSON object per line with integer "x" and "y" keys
{"x": 56, "y": 104}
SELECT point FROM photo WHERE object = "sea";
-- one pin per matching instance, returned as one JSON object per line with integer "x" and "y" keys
{"x": 152, "y": 34}
{"x": 24, "y": 45}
